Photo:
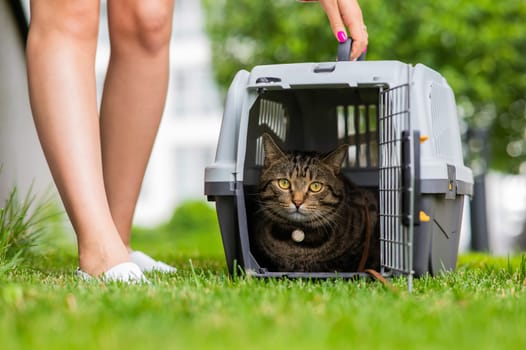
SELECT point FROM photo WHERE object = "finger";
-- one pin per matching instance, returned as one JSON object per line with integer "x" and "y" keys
{"x": 332, "y": 10}
{"x": 353, "y": 19}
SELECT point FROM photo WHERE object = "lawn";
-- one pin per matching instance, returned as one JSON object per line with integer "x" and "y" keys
{"x": 43, "y": 305}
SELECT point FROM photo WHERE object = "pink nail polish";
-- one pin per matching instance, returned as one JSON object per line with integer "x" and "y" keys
{"x": 342, "y": 36}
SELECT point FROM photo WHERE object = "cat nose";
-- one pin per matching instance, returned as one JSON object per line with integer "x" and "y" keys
{"x": 298, "y": 199}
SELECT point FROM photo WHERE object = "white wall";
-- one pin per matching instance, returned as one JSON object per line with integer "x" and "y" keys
{"x": 21, "y": 157}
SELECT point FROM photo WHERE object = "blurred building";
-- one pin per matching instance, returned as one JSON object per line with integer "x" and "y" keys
{"x": 506, "y": 210}
{"x": 188, "y": 134}
{"x": 187, "y": 138}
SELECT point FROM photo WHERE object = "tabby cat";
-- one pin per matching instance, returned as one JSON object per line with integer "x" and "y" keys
{"x": 311, "y": 218}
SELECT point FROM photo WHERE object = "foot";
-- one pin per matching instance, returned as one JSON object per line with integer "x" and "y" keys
{"x": 101, "y": 252}
{"x": 127, "y": 272}
{"x": 148, "y": 264}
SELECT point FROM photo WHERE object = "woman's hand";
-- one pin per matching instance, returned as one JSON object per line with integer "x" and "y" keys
{"x": 346, "y": 13}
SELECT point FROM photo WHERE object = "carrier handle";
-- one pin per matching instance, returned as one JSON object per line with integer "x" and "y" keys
{"x": 344, "y": 51}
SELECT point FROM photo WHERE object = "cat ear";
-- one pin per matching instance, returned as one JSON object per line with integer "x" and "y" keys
{"x": 272, "y": 150}
{"x": 335, "y": 158}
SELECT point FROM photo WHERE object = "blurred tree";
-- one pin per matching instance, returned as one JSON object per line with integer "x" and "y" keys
{"x": 479, "y": 47}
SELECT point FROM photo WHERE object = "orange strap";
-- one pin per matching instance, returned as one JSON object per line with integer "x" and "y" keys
{"x": 365, "y": 254}
{"x": 378, "y": 276}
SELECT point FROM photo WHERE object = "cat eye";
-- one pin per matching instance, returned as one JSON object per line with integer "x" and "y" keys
{"x": 284, "y": 184}
{"x": 315, "y": 186}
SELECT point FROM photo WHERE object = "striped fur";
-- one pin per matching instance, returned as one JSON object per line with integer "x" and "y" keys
{"x": 332, "y": 218}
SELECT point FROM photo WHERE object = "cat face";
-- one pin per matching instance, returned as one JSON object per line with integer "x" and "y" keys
{"x": 301, "y": 188}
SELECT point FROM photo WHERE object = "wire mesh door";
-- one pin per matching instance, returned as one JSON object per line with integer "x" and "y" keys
{"x": 396, "y": 182}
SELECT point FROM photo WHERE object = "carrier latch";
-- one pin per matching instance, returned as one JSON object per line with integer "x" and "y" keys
{"x": 451, "y": 192}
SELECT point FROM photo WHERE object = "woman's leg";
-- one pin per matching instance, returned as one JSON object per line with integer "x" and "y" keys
{"x": 133, "y": 99}
{"x": 60, "y": 56}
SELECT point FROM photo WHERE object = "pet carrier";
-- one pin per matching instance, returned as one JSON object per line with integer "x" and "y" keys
{"x": 401, "y": 124}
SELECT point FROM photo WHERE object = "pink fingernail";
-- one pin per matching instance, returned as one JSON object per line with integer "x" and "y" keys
{"x": 342, "y": 36}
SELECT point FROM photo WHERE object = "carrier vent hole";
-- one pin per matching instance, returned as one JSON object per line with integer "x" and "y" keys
{"x": 357, "y": 126}
{"x": 273, "y": 117}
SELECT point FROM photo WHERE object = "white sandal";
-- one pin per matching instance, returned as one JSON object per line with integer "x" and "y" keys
{"x": 148, "y": 264}
{"x": 127, "y": 272}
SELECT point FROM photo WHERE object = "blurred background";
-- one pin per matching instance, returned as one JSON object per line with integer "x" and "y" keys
{"x": 479, "y": 47}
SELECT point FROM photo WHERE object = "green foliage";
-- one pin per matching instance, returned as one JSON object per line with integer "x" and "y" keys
{"x": 246, "y": 33}
{"x": 479, "y": 46}
{"x": 22, "y": 225}
{"x": 193, "y": 216}
{"x": 192, "y": 230}
{"x": 480, "y": 306}
{"x": 201, "y": 307}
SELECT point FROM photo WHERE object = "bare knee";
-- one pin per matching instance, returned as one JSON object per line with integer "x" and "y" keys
{"x": 76, "y": 20}
{"x": 153, "y": 24}
{"x": 147, "y": 24}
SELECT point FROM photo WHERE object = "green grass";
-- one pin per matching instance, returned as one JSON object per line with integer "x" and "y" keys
{"x": 43, "y": 306}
